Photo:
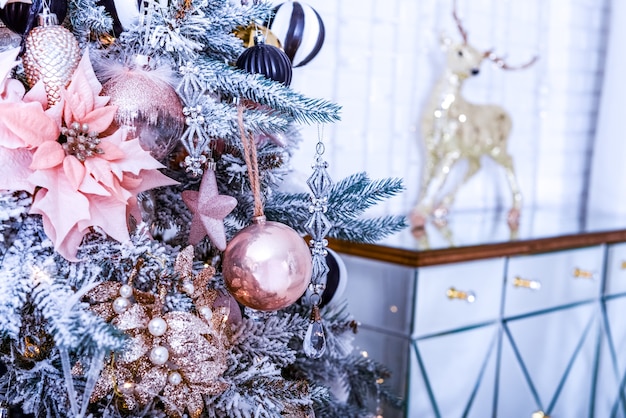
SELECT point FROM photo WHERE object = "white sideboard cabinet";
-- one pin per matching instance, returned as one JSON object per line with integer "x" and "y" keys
{"x": 529, "y": 328}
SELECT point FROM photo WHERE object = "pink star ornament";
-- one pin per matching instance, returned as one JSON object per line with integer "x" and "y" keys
{"x": 209, "y": 209}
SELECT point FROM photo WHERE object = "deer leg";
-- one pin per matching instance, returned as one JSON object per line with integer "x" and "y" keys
{"x": 506, "y": 161}
{"x": 448, "y": 200}
{"x": 424, "y": 207}
{"x": 429, "y": 171}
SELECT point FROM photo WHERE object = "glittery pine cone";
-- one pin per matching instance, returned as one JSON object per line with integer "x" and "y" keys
{"x": 51, "y": 55}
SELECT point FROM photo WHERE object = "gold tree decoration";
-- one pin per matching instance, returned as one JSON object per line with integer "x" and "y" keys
{"x": 172, "y": 357}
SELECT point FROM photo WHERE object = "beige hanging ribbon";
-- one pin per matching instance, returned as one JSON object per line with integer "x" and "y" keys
{"x": 252, "y": 164}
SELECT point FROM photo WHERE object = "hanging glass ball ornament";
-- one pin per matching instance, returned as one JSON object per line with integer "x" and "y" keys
{"x": 300, "y": 30}
{"x": 51, "y": 55}
{"x": 148, "y": 108}
{"x": 267, "y": 265}
{"x": 266, "y": 59}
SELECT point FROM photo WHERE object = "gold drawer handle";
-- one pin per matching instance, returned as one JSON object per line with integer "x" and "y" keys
{"x": 453, "y": 293}
{"x": 526, "y": 283}
{"x": 579, "y": 273}
{"x": 623, "y": 265}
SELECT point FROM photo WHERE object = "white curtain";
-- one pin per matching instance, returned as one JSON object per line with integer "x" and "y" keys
{"x": 607, "y": 187}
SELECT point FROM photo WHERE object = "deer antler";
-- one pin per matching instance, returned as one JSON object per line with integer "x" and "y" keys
{"x": 459, "y": 24}
{"x": 502, "y": 64}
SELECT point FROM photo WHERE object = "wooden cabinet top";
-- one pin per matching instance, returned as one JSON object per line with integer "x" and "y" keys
{"x": 540, "y": 237}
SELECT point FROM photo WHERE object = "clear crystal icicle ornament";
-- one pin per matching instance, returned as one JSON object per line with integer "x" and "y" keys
{"x": 318, "y": 227}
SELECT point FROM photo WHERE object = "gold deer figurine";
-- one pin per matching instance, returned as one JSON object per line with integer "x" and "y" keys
{"x": 454, "y": 129}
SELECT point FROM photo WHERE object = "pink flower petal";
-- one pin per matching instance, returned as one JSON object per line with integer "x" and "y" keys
{"x": 111, "y": 151}
{"x": 63, "y": 208}
{"x": 25, "y": 124}
{"x": 14, "y": 170}
{"x": 91, "y": 186}
{"x": 99, "y": 120}
{"x": 37, "y": 94}
{"x": 100, "y": 170}
{"x": 48, "y": 155}
{"x": 78, "y": 98}
{"x": 12, "y": 91}
{"x": 110, "y": 215}
{"x": 74, "y": 170}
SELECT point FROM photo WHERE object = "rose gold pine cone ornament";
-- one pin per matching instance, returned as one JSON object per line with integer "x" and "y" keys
{"x": 51, "y": 55}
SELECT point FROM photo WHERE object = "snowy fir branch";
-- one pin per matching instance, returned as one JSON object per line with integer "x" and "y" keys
{"x": 349, "y": 199}
{"x": 299, "y": 108}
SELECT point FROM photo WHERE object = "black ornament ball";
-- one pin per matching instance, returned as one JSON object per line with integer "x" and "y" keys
{"x": 268, "y": 60}
{"x": 21, "y": 16}
{"x": 15, "y": 16}
{"x": 336, "y": 281}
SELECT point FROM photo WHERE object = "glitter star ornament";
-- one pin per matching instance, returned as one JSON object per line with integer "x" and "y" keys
{"x": 209, "y": 209}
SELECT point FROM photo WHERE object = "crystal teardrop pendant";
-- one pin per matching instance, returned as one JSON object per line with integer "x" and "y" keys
{"x": 314, "y": 343}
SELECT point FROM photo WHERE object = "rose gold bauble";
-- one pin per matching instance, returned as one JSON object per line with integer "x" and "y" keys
{"x": 267, "y": 266}
{"x": 149, "y": 108}
{"x": 51, "y": 55}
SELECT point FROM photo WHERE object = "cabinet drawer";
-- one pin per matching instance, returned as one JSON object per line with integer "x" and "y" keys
{"x": 616, "y": 269}
{"x": 543, "y": 281}
{"x": 458, "y": 295}
{"x": 380, "y": 294}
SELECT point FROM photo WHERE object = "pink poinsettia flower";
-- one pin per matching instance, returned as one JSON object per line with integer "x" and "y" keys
{"x": 85, "y": 178}
{"x": 22, "y": 126}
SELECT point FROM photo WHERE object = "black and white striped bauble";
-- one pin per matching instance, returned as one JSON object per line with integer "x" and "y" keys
{"x": 125, "y": 13}
{"x": 300, "y": 30}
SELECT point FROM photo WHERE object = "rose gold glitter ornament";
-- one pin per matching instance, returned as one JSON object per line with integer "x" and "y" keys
{"x": 51, "y": 55}
{"x": 149, "y": 108}
{"x": 267, "y": 265}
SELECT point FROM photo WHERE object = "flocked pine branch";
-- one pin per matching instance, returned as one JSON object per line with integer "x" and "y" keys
{"x": 235, "y": 83}
{"x": 39, "y": 387}
{"x": 191, "y": 30}
{"x": 368, "y": 230}
{"x": 364, "y": 193}
{"x": 269, "y": 338}
{"x": 355, "y": 380}
{"x": 14, "y": 209}
{"x": 348, "y": 200}
{"x": 88, "y": 19}
{"x": 68, "y": 322}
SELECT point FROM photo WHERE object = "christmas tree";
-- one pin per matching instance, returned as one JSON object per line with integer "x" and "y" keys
{"x": 142, "y": 175}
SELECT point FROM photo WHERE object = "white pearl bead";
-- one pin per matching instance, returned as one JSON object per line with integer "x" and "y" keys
{"x": 206, "y": 312}
{"x": 159, "y": 355}
{"x": 157, "y": 326}
{"x": 188, "y": 288}
{"x": 174, "y": 378}
{"x": 120, "y": 305}
{"x": 126, "y": 291}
